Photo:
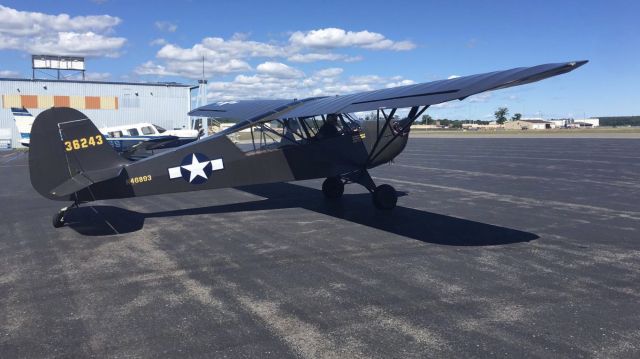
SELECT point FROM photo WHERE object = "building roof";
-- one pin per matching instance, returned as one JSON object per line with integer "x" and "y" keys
{"x": 535, "y": 121}
{"x": 167, "y": 84}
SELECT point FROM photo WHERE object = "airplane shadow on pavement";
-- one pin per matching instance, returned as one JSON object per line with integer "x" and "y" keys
{"x": 420, "y": 225}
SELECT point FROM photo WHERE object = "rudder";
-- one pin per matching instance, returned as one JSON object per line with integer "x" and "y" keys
{"x": 68, "y": 153}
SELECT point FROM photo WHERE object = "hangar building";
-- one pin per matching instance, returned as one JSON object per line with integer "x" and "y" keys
{"x": 532, "y": 124}
{"x": 105, "y": 103}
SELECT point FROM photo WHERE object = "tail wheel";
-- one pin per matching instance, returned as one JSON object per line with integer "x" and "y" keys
{"x": 58, "y": 219}
{"x": 333, "y": 187}
{"x": 385, "y": 197}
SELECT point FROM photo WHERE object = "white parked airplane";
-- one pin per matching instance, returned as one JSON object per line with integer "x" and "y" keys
{"x": 122, "y": 138}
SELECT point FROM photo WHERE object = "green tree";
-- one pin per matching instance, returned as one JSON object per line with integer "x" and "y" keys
{"x": 501, "y": 115}
{"x": 516, "y": 117}
{"x": 427, "y": 120}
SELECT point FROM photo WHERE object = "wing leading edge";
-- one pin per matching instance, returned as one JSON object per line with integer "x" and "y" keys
{"x": 423, "y": 94}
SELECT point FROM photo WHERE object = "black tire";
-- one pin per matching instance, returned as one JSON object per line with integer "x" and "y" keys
{"x": 385, "y": 197}
{"x": 58, "y": 219}
{"x": 333, "y": 188}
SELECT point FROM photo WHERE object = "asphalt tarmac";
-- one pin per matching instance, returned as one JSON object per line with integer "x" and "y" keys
{"x": 498, "y": 248}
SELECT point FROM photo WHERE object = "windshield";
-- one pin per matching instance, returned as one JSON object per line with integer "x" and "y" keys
{"x": 160, "y": 129}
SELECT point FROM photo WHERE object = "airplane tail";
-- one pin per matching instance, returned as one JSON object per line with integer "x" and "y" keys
{"x": 68, "y": 153}
{"x": 24, "y": 121}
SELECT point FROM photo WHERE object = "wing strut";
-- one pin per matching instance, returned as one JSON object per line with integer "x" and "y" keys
{"x": 398, "y": 131}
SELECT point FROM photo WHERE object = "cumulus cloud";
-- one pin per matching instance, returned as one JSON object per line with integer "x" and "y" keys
{"x": 279, "y": 70}
{"x": 192, "y": 69}
{"x": 234, "y": 54}
{"x": 480, "y": 98}
{"x": 158, "y": 42}
{"x": 166, "y": 26}
{"x": 332, "y": 37}
{"x": 329, "y": 72}
{"x": 325, "y": 82}
{"x": 314, "y": 57}
{"x": 35, "y": 32}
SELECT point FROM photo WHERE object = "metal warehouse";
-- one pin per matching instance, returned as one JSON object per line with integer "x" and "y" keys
{"x": 105, "y": 103}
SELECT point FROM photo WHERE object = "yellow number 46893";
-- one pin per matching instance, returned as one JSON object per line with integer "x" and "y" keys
{"x": 84, "y": 142}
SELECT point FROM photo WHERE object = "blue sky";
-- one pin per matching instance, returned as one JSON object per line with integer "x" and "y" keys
{"x": 296, "y": 49}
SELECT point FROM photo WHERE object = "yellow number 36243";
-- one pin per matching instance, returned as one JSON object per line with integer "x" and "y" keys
{"x": 84, "y": 142}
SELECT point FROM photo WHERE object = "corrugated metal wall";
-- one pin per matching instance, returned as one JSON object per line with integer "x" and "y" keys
{"x": 164, "y": 105}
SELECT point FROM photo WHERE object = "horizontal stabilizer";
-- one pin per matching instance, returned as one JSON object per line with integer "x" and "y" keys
{"x": 83, "y": 180}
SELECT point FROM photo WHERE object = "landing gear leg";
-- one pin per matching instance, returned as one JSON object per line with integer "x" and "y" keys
{"x": 384, "y": 196}
{"x": 333, "y": 187}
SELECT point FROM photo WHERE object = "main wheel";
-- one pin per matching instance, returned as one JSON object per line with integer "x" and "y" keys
{"x": 333, "y": 187}
{"x": 58, "y": 219}
{"x": 385, "y": 197}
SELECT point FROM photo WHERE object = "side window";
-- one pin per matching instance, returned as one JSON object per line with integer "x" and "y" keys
{"x": 115, "y": 134}
{"x": 133, "y": 132}
{"x": 147, "y": 130}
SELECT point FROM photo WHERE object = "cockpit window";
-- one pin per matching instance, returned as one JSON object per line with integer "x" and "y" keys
{"x": 147, "y": 130}
{"x": 160, "y": 129}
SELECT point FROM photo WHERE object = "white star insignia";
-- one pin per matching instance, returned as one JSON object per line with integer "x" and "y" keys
{"x": 196, "y": 168}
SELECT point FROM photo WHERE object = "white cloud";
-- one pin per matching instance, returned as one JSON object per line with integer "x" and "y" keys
{"x": 9, "y": 73}
{"x": 334, "y": 38}
{"x": 35, "y": 32}
{"x": 192, "y": 69}
{"x": 158, "y": 42}
{"x": 453, "y": 77}
{"x": 224, "y": 56}
{"x": 479, "y": 98}
{"x": 279, "y": 70}
{"x": 166, "y": 26}
{"x": 328, "y": 56}
{"x": 80, "y": 44}
{"x": 326, "y": 82}
{"x": 400, "y": 83}
{"x": 330, "y": 72}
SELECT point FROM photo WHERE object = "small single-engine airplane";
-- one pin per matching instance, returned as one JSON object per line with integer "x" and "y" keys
{"x": 291, "y": 140}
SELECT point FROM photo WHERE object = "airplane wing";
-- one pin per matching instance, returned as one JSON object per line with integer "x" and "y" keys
{"x": 430, "y": 93}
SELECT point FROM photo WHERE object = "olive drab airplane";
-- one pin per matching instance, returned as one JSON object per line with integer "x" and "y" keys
{"x": 291, "y": 140}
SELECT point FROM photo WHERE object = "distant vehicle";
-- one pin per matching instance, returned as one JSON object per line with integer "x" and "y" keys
{"x": 124, "y": 139}
{"x": 310, "y": 138}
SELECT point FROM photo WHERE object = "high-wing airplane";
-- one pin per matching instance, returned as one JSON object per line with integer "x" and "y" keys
{"x": 290, "y": 140}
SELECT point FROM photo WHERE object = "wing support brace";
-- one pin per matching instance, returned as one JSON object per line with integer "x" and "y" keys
{"x": 402, "y": 129}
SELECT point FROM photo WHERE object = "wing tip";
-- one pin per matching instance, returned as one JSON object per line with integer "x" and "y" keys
{"x": 578, "y": 63}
